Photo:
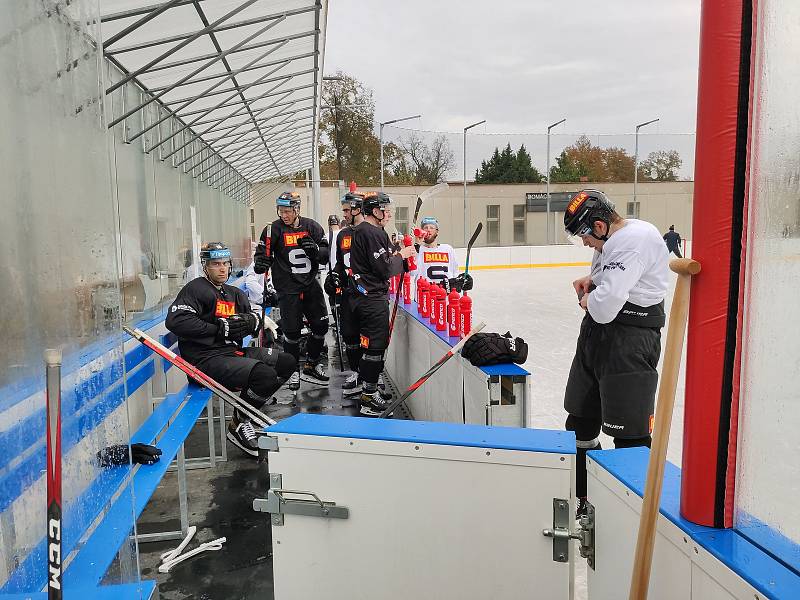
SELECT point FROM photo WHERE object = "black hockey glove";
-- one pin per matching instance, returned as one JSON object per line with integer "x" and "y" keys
{"x": 270, "y": 295}
{"x": 118, "y": 454}
{"x": 261, "y": 263}
{"x": 237, "y": 326}
{"x": 484, "y": 349}
{"x": 462, "y": 283}
{"x": 333, "y": 283}
{"x": 310, "y": 247}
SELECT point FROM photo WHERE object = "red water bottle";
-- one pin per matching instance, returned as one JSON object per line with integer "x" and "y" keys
{"x": 425, "y": 300}
{"x": 466, "y": 314}
{"x": 441, "y": 319}
{"x": 433, "y": 300}
{"x": 412, "y": 264}
{"x": 391, "y": 285}
{"x": 422, "y": 284}
{"x": 453, "y": 314}
{"x": 406, "y": 288}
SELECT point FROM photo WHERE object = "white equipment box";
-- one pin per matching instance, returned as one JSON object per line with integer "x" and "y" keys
{"x": 388, "y": 509}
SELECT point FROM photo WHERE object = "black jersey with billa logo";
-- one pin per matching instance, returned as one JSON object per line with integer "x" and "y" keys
{"x": 344, "y": 241}
{"x": 371, "y": 260}
{"x": 292, "y": 271}
{"x": 193, "y": 318}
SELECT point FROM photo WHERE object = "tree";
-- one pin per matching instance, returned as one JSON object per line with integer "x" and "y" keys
{"x": 662, "y": 165}
{"x": 348, "y": 149}
{"x": 508, "y": 167}
{"x": 585, "y": 160}
{"x": 415, "y": 162}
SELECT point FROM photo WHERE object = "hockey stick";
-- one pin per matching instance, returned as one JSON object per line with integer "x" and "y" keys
{"x": 220, "y": 390}
{"x": 53, "y": 399}
{"x": 429, "y": 373}
{"x": 338, "y": 323}
{"x": 471, "y": 243}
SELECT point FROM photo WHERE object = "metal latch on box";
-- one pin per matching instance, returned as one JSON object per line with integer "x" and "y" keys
{"x": 562, "y": 535}
{"x": 277, "y": 504}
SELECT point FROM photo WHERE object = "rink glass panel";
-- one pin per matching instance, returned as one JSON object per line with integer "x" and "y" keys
{"x": 768, "y": 475}
{"x": 58, "y": 240}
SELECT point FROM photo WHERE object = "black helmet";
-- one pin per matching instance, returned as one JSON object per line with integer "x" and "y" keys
{"x": 214, "y": 251}
{"x": 289, "y": 200}
{"x": 333, "y": 220}
{"x": 354, "y": 200}
{"x": 375, "y": 200}
{"x": 584, "y": 209}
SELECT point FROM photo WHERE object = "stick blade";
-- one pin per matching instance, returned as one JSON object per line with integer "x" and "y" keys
{"x": 475, "y": 234}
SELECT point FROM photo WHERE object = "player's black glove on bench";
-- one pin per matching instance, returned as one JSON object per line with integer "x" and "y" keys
{"x": 261, "y": 263}
{"x": 310, "y": 247}
{"x": 237, "y": 326}
{"x": 142, "y": 454}
{"x": 492, "y": 349}
{"x": 461, "y": 283}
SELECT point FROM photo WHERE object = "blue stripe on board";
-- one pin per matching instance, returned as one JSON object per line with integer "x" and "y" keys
{"x": 81, "y": 512}
{"x": 135, "y": 356}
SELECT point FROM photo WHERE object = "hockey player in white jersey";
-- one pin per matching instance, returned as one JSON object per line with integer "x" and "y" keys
{"x": 435, "y": 261}
{"x": 613, "y": 379}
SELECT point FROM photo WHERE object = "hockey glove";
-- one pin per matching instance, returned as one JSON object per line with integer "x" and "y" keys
{"x": 484, "y": 349}
{"x": 261, "y": 263}
{"x": 118, "y": 454}
{"x": 462, "y": 283}
{"x": 333, "y": 283}
{"x": 310, "y": 247}
{"x": 270, "y": 295}
{"x": 237, "y": 326}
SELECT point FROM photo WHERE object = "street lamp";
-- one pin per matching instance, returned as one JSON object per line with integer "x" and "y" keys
{"x": 466, "y": 212}
{"x": 381, "y": 136}
{"x": 548, "y": 177}
{"x": 636, "y": 159}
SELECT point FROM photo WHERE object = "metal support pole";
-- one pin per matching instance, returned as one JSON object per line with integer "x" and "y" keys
{"x": 212, "y": 448}
{"x": 182, "y": 497}
{"x": 466, "y": 207}
{"x": 381, "y": 136}
{"x": 549, "y": 217}
{"x": 636, "y": 159}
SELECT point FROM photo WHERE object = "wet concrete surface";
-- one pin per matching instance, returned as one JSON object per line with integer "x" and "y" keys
{"x": 221, "y": 505}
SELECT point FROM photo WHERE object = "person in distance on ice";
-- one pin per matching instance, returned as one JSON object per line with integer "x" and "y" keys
{"x": 293, "y": 247}
{"x": 613, "y": 379}
{"x": 211, "y": 318}
{"x": 372, "y": 263}
{"x": 437, "y": 262}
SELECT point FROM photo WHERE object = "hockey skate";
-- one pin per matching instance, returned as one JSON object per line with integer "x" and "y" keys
{"x": 315, "y": 373}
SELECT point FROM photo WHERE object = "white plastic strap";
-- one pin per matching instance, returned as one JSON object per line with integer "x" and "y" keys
{"x": 173, "y": 553}
{"x": 208, "y": 546}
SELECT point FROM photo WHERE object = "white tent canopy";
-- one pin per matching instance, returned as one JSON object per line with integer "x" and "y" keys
{"x": 243, "y": 75}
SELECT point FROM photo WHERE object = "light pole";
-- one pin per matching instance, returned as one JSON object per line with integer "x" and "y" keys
{"x": 466, "y": 211}
{"x": 381, "y": 137}
{"x": 636, "y": 159}
{"x": 547, "y": 233}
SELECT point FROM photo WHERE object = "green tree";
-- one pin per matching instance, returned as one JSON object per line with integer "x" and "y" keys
{"x": 348, "y": 149}
{"x": 508, "y": 167}
{"x": 662, "y": 165}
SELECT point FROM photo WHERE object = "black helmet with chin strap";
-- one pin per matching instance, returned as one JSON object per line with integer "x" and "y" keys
{"x": 584, "y": 209}
{"x": 215, "y": 251}
{"x": 374, "y": 200}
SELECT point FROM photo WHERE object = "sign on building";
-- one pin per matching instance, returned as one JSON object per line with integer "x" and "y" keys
{"x": 537, "y": 201}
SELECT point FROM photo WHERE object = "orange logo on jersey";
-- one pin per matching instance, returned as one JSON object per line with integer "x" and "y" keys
{"x": 437, "y": 257}
{"x": 364, "y": 341}
{"x": 652, "y": 420}
{"x": 225, "y": 309}
{"x": 293, "y": 239}
{"x": 346, "y": 242}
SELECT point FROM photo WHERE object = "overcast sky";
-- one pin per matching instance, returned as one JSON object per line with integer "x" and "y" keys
{"x": 523, "y": 64}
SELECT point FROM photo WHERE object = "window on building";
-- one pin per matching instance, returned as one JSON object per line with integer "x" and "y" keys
{"x": 493, "y": 224}
{"x": 401, "y": 219}
{"x": 633, "y": 210}
{"x": 253, "y": 233}
{"x": 519, "y": 224}
{"x": 252, "y": 215}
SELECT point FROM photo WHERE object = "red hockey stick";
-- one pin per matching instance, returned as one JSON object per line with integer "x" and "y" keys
{"x": 53, "y": 400}
{"x": 429, "y": 373}
{"x": 220, "y": 390}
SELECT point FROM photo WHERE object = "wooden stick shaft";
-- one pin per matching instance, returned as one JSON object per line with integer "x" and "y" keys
{"x": 648, "y": 519}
